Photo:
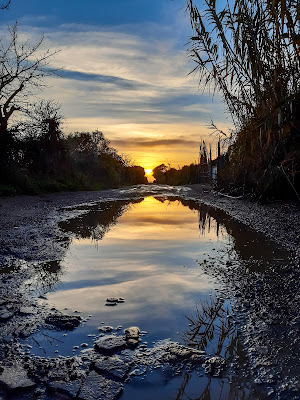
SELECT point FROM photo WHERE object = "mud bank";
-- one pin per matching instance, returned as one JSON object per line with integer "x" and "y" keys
{"x": 265, "y": 303}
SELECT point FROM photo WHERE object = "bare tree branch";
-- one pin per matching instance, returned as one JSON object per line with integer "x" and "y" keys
{"x": 5, "y": 5}
{"x": 23, "y": 68}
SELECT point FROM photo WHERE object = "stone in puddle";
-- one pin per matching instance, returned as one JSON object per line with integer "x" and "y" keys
{"x": 132, "y": 335}
{"x": 115, "y": 300}
{"x": 112, "y": 299}
{"x": 15, "y": 377}
{"x": 175, "y": 353}
{"x": 97, "y": 387}
{"x": 110, "y": 344}
{"x": 68, "y": 388}
{"x": 113, "y": 365}
{"x": 105, "y": 328}
{"x": 63, "y": 322}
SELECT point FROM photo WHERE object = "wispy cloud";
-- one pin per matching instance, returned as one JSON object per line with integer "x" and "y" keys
{"x": 90, "y": 77}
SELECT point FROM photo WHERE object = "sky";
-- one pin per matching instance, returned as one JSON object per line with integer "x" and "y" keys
{"x": 125, "y": 72}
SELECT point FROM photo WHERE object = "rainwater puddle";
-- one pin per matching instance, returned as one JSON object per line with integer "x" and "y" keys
{"x": 153, "y": 253}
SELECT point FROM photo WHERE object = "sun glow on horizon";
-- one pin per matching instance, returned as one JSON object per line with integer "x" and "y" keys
{"x": 148, "y": 171}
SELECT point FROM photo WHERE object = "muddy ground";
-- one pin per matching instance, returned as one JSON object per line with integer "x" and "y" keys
{"x": 265, "y": 305}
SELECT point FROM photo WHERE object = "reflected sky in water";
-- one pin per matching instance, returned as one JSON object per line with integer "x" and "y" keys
{"x": 157, "y": 254}
{"x": 149, "y": 257}
{"x": 154, "y": 252}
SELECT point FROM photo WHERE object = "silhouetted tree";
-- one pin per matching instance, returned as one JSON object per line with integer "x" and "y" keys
{"x": 44, "y": 145}
{"x": 159, "y": 173}
{"x": 22, "y": 71}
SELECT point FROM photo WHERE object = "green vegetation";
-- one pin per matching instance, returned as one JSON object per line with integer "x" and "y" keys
{"x": 248, "y": 51}
{"x": 35, "y": 155}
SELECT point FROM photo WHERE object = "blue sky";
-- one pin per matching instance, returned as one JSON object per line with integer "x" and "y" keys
{"x": 125, "y": 73}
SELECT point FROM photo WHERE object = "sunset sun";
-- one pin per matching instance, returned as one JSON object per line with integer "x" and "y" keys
{"x": 148, "y": 171}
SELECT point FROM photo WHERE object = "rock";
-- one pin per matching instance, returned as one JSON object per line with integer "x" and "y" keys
{"x": 168, "y": 353}
{"x": 132, "y": 343}
{"x": 138, "y": 371}
{"x": 112, "y": 365}
{"x": 110, "y": 344}
{"x": 15, "y": 377}
{"x": 112, "y": 299}
{"x": 69, "y": 388}
{"x": 63, "y": 322}
{"x": 132, "y": 336}
{"x": 97, "y": 387}
{"x": 106, "y": 328}
{"x": 180, "y": 353}
{"x": 132, "y": 333}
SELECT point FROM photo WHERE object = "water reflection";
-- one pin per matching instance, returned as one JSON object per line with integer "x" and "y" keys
{"x": 154, "y": 252}
{"x": 210, "y": 325}
{"x": 211, "y": 329}
{"x": 97, "y": 220}
{"x": 151, "y": 257}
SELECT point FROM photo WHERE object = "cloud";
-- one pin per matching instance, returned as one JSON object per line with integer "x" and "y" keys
{"x": 132, "y": 83}
{"x": 145, "y": 143}
{"x": 91, "y": 77}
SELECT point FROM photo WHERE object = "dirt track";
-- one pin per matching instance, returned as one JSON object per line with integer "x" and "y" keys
{"x": 266, "y": 305}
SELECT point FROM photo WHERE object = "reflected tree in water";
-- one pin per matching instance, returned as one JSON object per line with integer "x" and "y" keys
{"x": 47, "y": 276}
{"x": 211, "y": 326}
{"x": 98, "y": 220}
{"x": 211, "y": 330}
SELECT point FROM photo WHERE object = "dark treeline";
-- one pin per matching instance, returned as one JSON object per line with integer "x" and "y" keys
{"x": 248, "y": 52}
{"x": 35, "y": 154}
{"x": 186, "y": 175}
{"x": 47, "y": 160}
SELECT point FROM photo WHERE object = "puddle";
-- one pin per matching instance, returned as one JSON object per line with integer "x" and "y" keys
{"x": 154, "y": 253}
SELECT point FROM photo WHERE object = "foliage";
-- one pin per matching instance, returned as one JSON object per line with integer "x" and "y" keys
{"x": 46, "y": 160}
{"x": 248, "y": 51}
{"x": 171, "y": 176}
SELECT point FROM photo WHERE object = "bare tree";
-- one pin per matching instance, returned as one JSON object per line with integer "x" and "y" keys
{"x": 5, "y": 5}
{"x": 23, "y": 68}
